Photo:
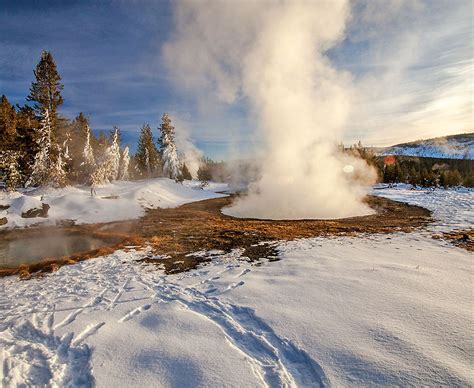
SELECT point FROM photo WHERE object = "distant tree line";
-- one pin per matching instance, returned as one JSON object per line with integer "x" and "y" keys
{"x": 418, "y": 171}
{"x": 39, "y": 146}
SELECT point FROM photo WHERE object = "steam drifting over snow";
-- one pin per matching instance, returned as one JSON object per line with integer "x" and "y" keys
{"x": 272, "y": 54}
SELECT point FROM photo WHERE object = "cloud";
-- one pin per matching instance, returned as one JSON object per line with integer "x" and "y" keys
{"x": 414, "y": 74}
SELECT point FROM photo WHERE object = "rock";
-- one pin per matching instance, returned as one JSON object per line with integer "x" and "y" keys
{"x": 3, "y": 221}
{"x": 37, "y": 212}
{"x": 4, "y": 207}
{"x": 66, "y": 222}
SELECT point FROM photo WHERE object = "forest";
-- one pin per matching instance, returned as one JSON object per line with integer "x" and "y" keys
{"x": 39, "y": 146}
{"x": 418, "y": 171}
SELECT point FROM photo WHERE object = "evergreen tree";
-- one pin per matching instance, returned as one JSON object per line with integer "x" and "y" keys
{"x": 185, "y": 174}
{"x": 26, "y": 117}
{"x": 79, "y": 131}
{"x": 88, "y": 161}
{"x": 57, "y": 176}
{"x": 469, "y": 181}
{"x": 46, "y": 90}
{"x": 99, "y": 175}
{"x": 102, "y": 143}
{"x": 42, "y": 164}
{"x": 204, "y": 172}
{"x": 113, "y": 156}
{"x": 107, "y": 166}
{"x": 10, "y": 169}
{"x": 124, "y": 164}
{"x": 147, "y": 158}
{"x": 454, "y": 178}
{"x": 169, "y": 154}
{"x": 8, "y": 123}
{"x": 413, "y": 177}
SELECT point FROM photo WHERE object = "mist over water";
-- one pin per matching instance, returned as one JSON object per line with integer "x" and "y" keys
{"x": 272, "y": 55}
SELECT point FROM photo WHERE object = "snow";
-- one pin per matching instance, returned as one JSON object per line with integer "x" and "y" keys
{"x": 77, "y": 204}
{"x": 457, "y": 214}
{"x": 451, "y": 147}
{"x": 348, "y": 311}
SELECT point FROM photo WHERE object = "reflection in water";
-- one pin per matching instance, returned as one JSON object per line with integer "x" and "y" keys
{"x": 34, "y": 249}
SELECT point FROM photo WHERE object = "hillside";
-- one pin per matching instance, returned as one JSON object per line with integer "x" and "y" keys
{"x": 449, "y": 147}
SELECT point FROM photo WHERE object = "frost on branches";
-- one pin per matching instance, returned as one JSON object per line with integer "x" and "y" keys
{"x": 50, "y": 162}
{"x": 113, "y": 157}
{"x": 171, "y": 163}
{"x": 124, "y": 163}
{"x": 88, "y": 164}
{"x": 42, "y": 165}
{"x": 57, "y": 177}
{"x": 9, "y": 169}
{"x": 107, "y": 167}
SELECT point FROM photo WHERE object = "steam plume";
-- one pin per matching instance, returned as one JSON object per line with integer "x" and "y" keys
{"x": 271, "y": 54}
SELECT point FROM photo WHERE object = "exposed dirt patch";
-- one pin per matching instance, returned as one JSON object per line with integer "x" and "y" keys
{"x": 179, "y": 232}
{"x": 463, "y": 238}
{"x": 177, "y": 235}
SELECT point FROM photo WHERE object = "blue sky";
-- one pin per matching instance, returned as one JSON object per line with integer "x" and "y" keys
{"x": 410, "y": 60}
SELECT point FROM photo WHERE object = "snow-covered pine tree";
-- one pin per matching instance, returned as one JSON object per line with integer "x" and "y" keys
{"x": 147, "y": 162}
{"x": 42, "y": 163}
{"x": 9, "y": 166}
{"x": 147, "y": 157}
{"x": 124, "y": 163}
{"x": 113, "y": 157}
{"x": 107, "y": 167}
{"x": 169, "y": 154}
{"x": 88, "y": 160}
{"x": 57, "y": 176}
{"x": 99, "y": 174}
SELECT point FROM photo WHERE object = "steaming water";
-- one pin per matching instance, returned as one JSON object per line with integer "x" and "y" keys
{"x": 271, "y": 56}
{"x": 35, "y": 249}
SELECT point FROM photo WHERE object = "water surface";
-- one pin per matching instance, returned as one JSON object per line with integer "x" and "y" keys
{"x": 28, "y": 250}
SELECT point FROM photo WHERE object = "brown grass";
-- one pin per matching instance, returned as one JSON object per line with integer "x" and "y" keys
{"x": 177, "y": 233}
{"x": 463, "y": 238}
{"x": 197, "y": 226}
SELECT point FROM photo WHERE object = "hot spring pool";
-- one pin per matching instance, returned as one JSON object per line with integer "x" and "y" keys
{"x": 28, "y": 250}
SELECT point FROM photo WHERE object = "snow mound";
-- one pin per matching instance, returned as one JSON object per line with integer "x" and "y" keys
{"x": 117, "y": 201}
{"x": 24, "y": 203}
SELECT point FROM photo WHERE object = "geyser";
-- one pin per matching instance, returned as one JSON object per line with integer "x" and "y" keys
{"x": 272, "y": 54}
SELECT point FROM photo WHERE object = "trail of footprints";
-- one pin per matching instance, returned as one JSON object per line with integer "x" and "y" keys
{"x": 34, "y": 355}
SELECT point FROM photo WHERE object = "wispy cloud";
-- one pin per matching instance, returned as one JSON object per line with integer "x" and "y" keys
{"x": 414, "y": 73}
{"x": 410, "y": 61}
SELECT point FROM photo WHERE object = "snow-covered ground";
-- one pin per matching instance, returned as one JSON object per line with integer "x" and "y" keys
{"x": 452, "y": 208}
{"x": 117, "y": 201}
{"x": 450, "y": 147}
{"x": 347, "y": 311}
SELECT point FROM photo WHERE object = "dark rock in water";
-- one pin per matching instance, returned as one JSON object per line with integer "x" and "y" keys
{"x": 3, "y": 221}
{"x": 4, "y": 207}
{"x": 37, "y": 212}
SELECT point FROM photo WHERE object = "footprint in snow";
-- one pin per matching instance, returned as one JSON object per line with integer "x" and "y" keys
{"x": 134, "y": 312}
{"x": 244, "y": 272}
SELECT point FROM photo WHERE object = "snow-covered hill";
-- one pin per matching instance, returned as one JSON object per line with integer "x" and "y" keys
{"x": 449, "y": 147}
